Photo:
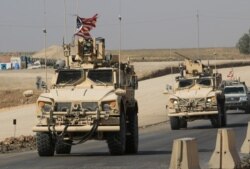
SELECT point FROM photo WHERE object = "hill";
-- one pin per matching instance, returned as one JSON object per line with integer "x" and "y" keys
{"x": 229, "y": 53}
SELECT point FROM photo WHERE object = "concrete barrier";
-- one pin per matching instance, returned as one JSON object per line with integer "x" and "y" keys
{"x": 225, "y": 155}
{"x": 245, "y": 148}
{"x": 184, "y": 154}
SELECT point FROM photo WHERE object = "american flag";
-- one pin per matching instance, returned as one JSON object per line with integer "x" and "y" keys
{"x": 84, "y": 25}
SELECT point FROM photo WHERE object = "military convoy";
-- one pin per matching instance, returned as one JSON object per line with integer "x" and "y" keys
{"x": 196, "y": 95}
{"x": 92, "y": 97}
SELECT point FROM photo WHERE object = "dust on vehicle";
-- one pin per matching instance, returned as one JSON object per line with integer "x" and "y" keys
{"x": 196, "y": 95}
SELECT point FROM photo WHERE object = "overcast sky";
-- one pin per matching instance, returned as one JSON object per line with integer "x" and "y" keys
{"x": 146, "y": 24}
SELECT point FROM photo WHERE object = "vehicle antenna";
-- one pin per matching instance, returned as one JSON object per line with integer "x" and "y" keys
{"x": 120, "y": 21}
{"x": 65, "y": 22}
{"x": 198, "y": 35}
{"x": 45, "y": 45}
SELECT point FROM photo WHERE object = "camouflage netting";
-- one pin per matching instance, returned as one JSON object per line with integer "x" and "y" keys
{"x": 18, "y": 144}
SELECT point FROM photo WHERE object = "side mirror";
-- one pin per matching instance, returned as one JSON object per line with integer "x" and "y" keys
{"x": 44, "y": 85}
{"x": 168, "y": 89}
{"x": 120, "y": 92}
{"x": 28, "y": 93}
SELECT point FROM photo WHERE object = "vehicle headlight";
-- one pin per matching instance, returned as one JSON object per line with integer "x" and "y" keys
{"x": 243, "y": 99}
{"x": 109, "y": 105}
{"x": 174, "y": 101}
{"x": 44, "y": 106}
{"x": 211, "y": 99}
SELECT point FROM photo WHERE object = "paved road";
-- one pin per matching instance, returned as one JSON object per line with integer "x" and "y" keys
{"x": 154, "y": 151}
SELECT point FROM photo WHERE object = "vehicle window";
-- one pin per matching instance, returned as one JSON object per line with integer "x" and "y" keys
{"x": 185, "y": 83}
{"x": 101, "y": 76}
{"x": 69, "y": 76}
{"x": 204, "y": 82}
{"x": 234, "y": 90}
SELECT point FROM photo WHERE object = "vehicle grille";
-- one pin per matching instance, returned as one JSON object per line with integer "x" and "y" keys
{"x": 90, "y": 106}
{"x": 196, "y": 104}
{"x": 232, "y": 99}
{"x": 62, "y": 106}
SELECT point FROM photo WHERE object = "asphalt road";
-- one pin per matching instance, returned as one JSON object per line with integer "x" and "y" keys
{"x": 154, "y": 149}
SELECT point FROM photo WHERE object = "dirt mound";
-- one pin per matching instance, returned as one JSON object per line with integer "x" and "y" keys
{"x": 18, "y": 144}
{"x": 53, "y": 52}
{"x": 10, "y": 98}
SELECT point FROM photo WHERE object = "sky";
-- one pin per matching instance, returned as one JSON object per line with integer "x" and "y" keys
{"x": 146, "y": 24}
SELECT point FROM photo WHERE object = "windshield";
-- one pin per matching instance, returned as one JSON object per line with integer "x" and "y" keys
{"x": 234, "y": 90}
{"x": 185, "y": 83}
{"x": 204, "y": 82}
{"x": 101, "y": 76}
{"x": 69, "y": 76}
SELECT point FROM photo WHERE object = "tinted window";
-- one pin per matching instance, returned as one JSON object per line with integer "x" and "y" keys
{"x": 185, "y": 83}
{"x": 205, "y": 82}
{"x": 233, "y": 90}
{"x": 101, "y": 76}
{"x": 69, "y": 76}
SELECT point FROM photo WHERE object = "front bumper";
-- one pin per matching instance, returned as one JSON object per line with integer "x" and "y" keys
{"x": 75, "y": 128}
{"x": 200, "y": 113}
{"x": 236, "y": 105}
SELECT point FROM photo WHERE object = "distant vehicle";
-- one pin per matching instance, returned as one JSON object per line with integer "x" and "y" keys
{"x": 236, "y": 95}
{"x": 35, "y": 65}
{"x": 196, "y": 96}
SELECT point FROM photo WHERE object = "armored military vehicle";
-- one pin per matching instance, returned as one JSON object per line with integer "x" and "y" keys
{"x": 92, "y": 97}
{"x": 195, "y": 96}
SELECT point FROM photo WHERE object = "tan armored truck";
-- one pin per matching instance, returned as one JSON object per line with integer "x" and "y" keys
{"x": 93, "y": 97}
{"x": 195, "y": 96}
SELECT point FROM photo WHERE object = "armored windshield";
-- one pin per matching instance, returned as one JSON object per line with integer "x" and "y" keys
{"x": 69, "y": 76}
{"x": 101, "y": 76}
{"x": 186, "y": 83}
{"x": 234, "y": 90}
{"x": 204, "y": 82}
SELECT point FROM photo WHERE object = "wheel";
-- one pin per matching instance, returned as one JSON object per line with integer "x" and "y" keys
{"x": 183, "y": 123}
{"x": 224, "y": 119}
{"x": 132, "y": 132}
{"x": 175, "y": 123}
{"x": 223, "y": 111}
{"x": 45, "y": 144}
{"x": 117, "y": 140}
{"x": 216, "y": 121}
{"x": 62, "y": 148}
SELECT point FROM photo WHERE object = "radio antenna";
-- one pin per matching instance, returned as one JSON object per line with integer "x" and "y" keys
{"x": 198, "y": 35}
{"x": 120, "y": 44}
{"x": 45, "y": 45}
{"x": 65, "y": 22}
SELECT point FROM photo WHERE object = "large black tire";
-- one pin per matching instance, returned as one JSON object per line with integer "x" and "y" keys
{"x": 216, "y": 121}
{"x": 117, "y": 140}
{"x": 175, "y": 123}
{"x": 183, "y": 123}
{"x": 62, "y": 148}
{"x": 132, "y": 137}
{"x": 45, "y": 144}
